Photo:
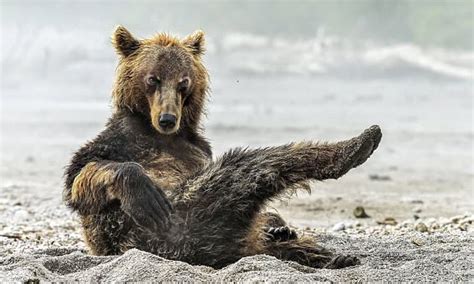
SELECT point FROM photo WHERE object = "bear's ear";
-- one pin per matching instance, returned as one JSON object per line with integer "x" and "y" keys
{"x": 124, "y": 42}
{"x": 195, "y": 42}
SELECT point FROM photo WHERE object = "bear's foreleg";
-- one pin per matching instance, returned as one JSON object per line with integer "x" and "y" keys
{"x": 98, "y": 184}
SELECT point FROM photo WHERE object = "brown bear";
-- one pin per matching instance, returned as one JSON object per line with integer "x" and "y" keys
{"x": 148, "y": 180}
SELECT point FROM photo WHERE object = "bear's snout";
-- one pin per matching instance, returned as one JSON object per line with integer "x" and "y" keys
{"x": 167, "y": 121}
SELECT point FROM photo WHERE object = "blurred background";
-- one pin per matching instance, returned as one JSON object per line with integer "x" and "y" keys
{"x": 280, "y": 71}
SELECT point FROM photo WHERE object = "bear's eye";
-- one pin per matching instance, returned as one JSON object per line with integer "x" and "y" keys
{"x": 153, "y": 81}
{"x": 183, "y": 85}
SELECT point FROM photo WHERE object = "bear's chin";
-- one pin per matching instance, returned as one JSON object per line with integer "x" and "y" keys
{"x": 166, "y": 131}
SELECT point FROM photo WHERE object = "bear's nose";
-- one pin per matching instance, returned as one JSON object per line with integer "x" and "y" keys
{"x": 167, "y": 120}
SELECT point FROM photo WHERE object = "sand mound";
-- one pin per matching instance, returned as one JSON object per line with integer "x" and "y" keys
{"x": 440, "y": 257}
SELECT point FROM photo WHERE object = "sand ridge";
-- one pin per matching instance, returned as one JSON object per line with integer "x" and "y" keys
{"x": 393, "y": 257}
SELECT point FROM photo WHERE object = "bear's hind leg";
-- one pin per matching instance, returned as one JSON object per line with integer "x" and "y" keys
{"x": 270, "y": 235}
{"x": 241, "y": 181}
{"x": 303, "y": 250}
{"x": 220, "y": 204}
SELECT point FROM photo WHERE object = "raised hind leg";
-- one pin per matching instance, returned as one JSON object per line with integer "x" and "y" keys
{"x": 220, "y": 203}
{"x": 244, "y": 178}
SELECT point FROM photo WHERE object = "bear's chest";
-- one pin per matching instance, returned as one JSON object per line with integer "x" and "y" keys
{"x": 171, "y": 166}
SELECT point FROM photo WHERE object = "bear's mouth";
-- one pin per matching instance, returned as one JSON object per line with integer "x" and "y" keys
{"x": 167, "y": 131}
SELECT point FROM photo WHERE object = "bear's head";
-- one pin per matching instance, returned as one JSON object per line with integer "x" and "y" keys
{"x": 162, "y": 78}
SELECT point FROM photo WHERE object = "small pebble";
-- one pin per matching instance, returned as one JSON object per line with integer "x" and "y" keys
{"x": 421, "y": 227}
{"x": 21, "y": 215}
{"x": 462, "y": 227}
{"x": 456, "y": 219}
{"x": 359, "y": 212}
{"x": 417, "y": 241}
{"x": 380, "y": 177}
{"x": 417, "y": 210}
{"x": 388, "y": 221}
{"x": 435, "y": 226}
{"x": 339, "y": 227}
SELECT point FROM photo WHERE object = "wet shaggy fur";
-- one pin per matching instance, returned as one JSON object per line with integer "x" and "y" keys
{"x": 137, "y": 185}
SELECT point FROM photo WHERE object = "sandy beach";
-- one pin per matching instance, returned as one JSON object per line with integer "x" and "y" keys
{"x": 420, "y": 226}
{"x": 43, "y": 243}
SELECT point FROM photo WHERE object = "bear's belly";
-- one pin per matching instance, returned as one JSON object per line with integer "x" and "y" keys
{"x": 168, "y": 172}
{"x": 167, "y": 180}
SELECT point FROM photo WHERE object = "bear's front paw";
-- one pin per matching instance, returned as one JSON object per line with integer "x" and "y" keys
{"x": 148, "y": 206}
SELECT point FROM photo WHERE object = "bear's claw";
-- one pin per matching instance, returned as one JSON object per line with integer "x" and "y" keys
{"x": 342, "y": 261}
{"x": 282, "y": 234}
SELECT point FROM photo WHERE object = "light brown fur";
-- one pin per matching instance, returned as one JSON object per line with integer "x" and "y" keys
{"x": 91, "y": 176}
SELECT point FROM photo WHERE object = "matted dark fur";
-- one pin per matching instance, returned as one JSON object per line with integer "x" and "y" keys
{"x": 148, "y": 185}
